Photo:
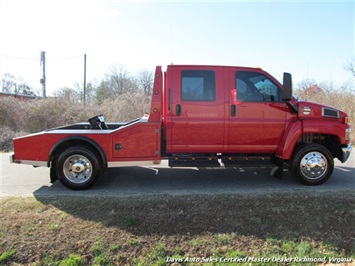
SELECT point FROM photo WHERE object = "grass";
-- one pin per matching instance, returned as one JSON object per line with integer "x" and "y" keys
{"x": 5, "y": 256}
{"x": 213, "y": 230}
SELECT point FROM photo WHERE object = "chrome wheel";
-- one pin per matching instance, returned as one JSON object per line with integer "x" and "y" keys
{"x": 77, "y": 168}
{"x": 314, "y": 165}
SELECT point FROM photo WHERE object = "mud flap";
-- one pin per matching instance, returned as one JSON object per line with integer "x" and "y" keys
{"x": 278, "y": 169}
{"x": 53, "y": 174}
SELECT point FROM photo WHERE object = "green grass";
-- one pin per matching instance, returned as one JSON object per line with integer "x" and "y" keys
{"x": 5, "y": 256}
{"x": 237, "y": 230}
{"x": 72, "y": 260}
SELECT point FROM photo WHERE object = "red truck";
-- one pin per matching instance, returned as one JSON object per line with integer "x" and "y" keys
{"x": 203, "y": 116}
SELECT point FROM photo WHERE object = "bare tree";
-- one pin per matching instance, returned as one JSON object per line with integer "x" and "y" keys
{"x": 303, "y": 86}
{"x": 329, "y": 86}
{"x": 120, "y": 81}
{"x": 145, "y": 82}
{"x": 69, "y": 94}
{"x": 90, "y": 92}
{"x": 25, "y": 89}
{"x": 104, "y": 91}
{"x": 9, "y": 84}
{"x": 350, "y": 66}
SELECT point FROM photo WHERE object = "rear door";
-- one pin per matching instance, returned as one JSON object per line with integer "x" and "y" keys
{"x": 257, "y": 114}
{"x": 196, "y": 118}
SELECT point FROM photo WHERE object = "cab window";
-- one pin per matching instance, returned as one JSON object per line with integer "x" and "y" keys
{"x": 198, "y": 85}
{"x": 255, "y": 87}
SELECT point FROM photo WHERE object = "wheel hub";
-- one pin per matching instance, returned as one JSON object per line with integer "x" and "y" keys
{"x": 77, "y": 168}
{"x": 314, "y": 165}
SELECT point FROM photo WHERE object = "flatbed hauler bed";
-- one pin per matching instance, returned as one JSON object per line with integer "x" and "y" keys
{"x": 200, "y": 116}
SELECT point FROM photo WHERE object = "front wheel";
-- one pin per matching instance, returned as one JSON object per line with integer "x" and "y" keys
{"x": 78, "y": 167}
{"x": 312, "y": 164}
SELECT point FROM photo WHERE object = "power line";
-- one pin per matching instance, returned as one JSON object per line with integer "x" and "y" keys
{"x": 64, "y": 58}
{"x": 47, "y": 58}
{"x": 19, "y": 58}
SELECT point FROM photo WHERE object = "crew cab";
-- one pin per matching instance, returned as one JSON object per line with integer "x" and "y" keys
{"x": 203, "y": 116}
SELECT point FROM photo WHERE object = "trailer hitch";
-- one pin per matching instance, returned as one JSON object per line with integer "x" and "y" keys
{"x": 98, "y": 122}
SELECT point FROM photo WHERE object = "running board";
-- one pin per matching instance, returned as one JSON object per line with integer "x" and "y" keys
{"x": 188, "y": 160}
{"x": 193, "y": 161}
{"x": 247, "y": 161}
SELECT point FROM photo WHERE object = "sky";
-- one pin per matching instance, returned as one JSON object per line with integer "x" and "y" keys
{"x": 310, "y": 39}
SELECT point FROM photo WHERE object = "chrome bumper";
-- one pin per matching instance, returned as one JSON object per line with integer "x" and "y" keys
{"x": 345, "y": 153}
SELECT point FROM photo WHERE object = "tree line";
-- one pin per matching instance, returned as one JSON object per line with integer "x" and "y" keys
{"x": 117, "y": 81}
{"x": 120, "y": 96}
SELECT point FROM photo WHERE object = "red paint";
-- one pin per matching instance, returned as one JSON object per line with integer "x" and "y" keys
{"x": 219, "y": 123}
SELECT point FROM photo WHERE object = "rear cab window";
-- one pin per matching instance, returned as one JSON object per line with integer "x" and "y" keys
{"x": 198, "y": 85}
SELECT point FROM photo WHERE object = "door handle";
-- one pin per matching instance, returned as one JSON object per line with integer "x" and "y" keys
{"x": 169, "y": 99}
{"x": 233, "y": 110}
{"x": 178, "y": 109}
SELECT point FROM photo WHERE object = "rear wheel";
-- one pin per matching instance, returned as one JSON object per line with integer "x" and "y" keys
{"x": 78, "y": 167}
{"x": 312, "y": 164}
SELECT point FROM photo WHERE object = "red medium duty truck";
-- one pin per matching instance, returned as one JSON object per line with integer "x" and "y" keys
{"x": 203, "y": 116}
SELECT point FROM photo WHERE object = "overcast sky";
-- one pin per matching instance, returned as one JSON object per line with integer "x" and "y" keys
{"x": 312, "y": 39}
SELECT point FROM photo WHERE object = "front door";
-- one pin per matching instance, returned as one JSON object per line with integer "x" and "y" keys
{"x": 257, "y": 114}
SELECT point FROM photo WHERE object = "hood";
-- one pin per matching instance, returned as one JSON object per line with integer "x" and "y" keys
{"x": 315, "y": 110}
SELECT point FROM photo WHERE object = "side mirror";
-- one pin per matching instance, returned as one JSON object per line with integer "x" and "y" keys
{"x": 286, "y": 94}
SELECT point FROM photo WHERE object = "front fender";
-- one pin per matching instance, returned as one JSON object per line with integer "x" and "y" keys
{"x": 326, "y": 127}
{"x": 288, "y": 142}
{"x": 295, "y": 129}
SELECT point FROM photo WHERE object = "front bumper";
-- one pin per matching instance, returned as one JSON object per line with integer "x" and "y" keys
{"x": 345, "y": 153}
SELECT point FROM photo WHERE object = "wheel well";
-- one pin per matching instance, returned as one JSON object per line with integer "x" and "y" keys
{"x": 70, "y": 142}
{"x": 331, "y": 142}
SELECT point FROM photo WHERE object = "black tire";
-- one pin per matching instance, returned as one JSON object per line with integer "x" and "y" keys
{"x": 78, "y": 167}
{"x": 312, "y": 164}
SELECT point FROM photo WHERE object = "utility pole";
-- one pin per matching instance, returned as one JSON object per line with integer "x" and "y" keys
{"x": 43, "y": 70}
{"x": 84, "y": 76}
